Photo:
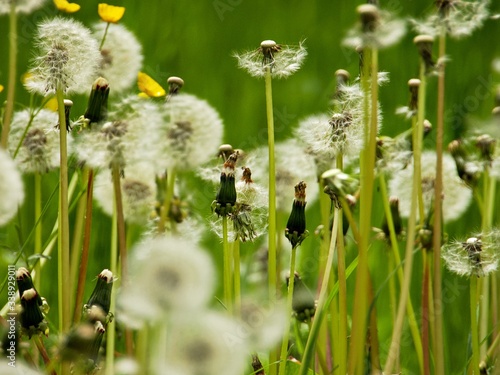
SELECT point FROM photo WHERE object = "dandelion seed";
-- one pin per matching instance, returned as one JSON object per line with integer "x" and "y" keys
{"x": 376, "y": 29}
{"x": 138, "y": 193}
{"x": 459, "y": 18}
{"x": 203, "y": 343}
{"x": 167, "y": 275}
{"x": 457, "y": 196}
{"x": 22, "y": 6}
{"x": 283, "y": 60}
{"x": 477, "y": 256}
{"x": 121, "y": 56}
{"x": 68, "y": 58}
{"x": 11, "y": 188}
{"x": 39, "y": 150}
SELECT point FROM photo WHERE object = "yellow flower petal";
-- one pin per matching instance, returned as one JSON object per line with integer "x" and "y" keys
{"x": 1, "y": 88}
{"x": 66, "y": 6}
{"x": 149, "y": 86}
{"x": 51, "y": 104}
{"x": 110, "y": 13}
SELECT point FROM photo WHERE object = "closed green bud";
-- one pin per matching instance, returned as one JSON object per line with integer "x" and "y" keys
{"x": 97, "y": 107}
{"x": 303, "y": 303}
{"x": 296, "y": 226}
{"x": 101, "y": 296}
{"x": 226, "y": 196}
{"x": 32, "y": 319}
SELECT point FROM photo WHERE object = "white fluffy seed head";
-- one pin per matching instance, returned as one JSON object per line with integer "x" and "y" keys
{"x": 138, "y": 189}
{"x": 22, "y": 6}
{"x": 191, "y": 134}
{"x": 121, "y": 56}
{"x": 168, "y": 275}
{"x": 11, "y": 188}
{"x": 39, "y": 150}
{"x": 68, "y": 57}
{"x": 283, "y": 60}
{"x": 457, "y": 196}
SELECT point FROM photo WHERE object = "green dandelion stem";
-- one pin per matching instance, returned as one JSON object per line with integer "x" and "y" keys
{"x": 104, "y": 36}
{"x": 11, "y": 85}
{"x": 169, "y": 195}
{"x": 289, "y": 309}
{"x": 228, "y": 280}
{"x": 237, "y": 277}
{"x": 38, "y": 227}
{"x": 437, "y": 225}
{"x": 473, "y": 324}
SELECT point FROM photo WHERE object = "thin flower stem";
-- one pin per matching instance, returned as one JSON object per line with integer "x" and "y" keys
{"x": 169, "y": 195}
{"x": 142, "y": 353}
{"x": 322, "y": 307}
{"x": 298, "y": 338}
{"x": 272, "y": 259}
{"x": 437, "y": 227}
{"x": 425, "y": 313}
{"x": 46, "y": 359}
{"x": 63, "y": 238}
{"x": 111, "y": 328}
{"x": 237, "y": 277}
{"x": 289, "y": 309}
{"x": 82, "y": 273}
{"x": 104, "y": 36}
{"x": 38, "y": 227}
{"x": 228, "y": 279}
{"x": 473, "y": 324}
{"x": 122, "y": 238}
{"x": 11, "y": 86}
{"x": 367, "y": 160}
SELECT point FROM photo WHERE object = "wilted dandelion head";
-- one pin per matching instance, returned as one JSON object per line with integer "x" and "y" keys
{"x": 204, "y": 343}
{"x": 168, "y": 275}
{"x": 39, "y": 150}
{"x": 67, "y": 59}
{"x": 121, "y": 56}
{"x": 22, "y": 6}
{"x": 375, "y": 29}
{"x": 138, "y": 189}
{"x": 192, "y": 134}
{"x": 457, "y": 196}
{"x": 477, "y": 256}
{"x": 458, "y": 18}
{"x": 282, "y": 60}
{"x": 128, "y": 137}
{"x": 293, "y": 164}
{"x": 11, "y": 188}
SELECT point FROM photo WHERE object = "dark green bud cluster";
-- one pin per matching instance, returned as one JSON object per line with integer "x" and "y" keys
{"x": 97, "y": 107}
{"x": 296, "y": 226}
{"x": 226, "y": 196}
{"x": 101, "y": 295}
{"x": 303, "y": 303}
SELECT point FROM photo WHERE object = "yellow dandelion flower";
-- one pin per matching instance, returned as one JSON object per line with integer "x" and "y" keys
{"x": 51, "y": 104}
{"x": 66, "y": 6}
{"x": 1, "y": 88}
{"x": 149, "y": 86}
{"x": 110, "y": 13}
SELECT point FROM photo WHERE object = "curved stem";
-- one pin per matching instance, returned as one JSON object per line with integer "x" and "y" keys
{"x": 289, "y": 309}
{"x": 11, "y": 86}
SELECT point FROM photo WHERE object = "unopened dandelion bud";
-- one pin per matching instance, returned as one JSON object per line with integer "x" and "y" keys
{"x": 226, "y": 196}
{"x": 413, "y": 84}
{"x": 425, "y": 238}
{"x": 101, "y": 296}
{"x": 97, "y": 107}
{"x": 369, "y": 16}
{"x": 427, "y": 127}
{"x": 303, "y": 303}
{"x": 466, "y": 170}
{"x": 24, "y": 281}
{"x": 257, "y": 367}
{"x": 174, "y": 86}
{"x": 424, "y": 44}
{"x": 296, "y": 226}
{"x": 31, "y": 315}
{"x": 67, "y": 110}
{"x": 486, "y": 145}
{"x": 396, "y": 218}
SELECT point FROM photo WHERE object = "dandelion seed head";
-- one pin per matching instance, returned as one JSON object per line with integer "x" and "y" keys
{"x": 192, "y": 132}
{"x": 283, "y": 60}
{"x": 204, "y": 343}
{"x": 138, "y": 192}
{"x": 383, "y": 31}
{"x": 477, "y": 256}
{"x": 121, "y": 56}
{"x": 293, "y": 164}
{"x": 169, "y": 274}
{"x": 11, "y": 188}
{"x": 22, "y": 6}
{"x": 457, "y": 196}
{"x": 39, "y": 150}
{"x": 459, "y": 18}
{"x": 68, "y": 56}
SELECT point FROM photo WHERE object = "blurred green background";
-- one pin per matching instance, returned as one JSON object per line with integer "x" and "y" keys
{"x": 196, "y": 39}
